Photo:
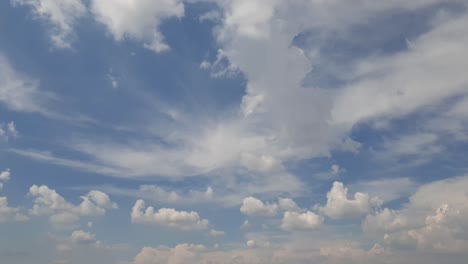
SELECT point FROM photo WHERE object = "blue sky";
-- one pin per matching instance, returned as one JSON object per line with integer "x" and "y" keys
{"x": 233, "y": 131}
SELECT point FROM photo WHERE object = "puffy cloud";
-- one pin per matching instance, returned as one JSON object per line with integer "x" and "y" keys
{"x": 301, "y": 221}
{"x": 442, "y": 232}
{"x": 353, "y": 254}
{"x": 338, "y": 205}
{"x": 385, "y": 221}
{"x": 8, "y": 214}
{"x": 63, "y": 213}
{"x": 434, "y": 219}
{"x": 138, "y": 20}
{"x": 82, "y": 237}
{"x": 5, "y": 175}
{"x": 251, "y": 243}
{"x": 180, "y": 254}
{"x": 253, "y": 254}
{"x": 169, "y": 217}
{"x": 249, "y": 18}
{"x": 61, "y": 14}
{"x": 255, "y": 207}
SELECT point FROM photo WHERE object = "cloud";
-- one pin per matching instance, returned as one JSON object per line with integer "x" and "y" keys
{"x": 181, "y": 220}
{"x": 64, "y": 214}
{"x": 424, "y": 75}
{"x": 254, "y": 207}
{"x": 10, "y": 214}
{"x": 434, "y": 220}
{"x": 301, "y": 221}
{"x": 386, "y": 220}
{"x": 338, "y": 205}
{"x": 19, "y": 92}
{"x": 8, "y": 131}
{"x": 137, "y": 20}
{"x": 387, "y": 189}
{"x": 216, "y": 233}
{"x": 5, "y": 175}
{"x": 336, "y": 169}
{"x": 182, "y": 253}
{"x": 62, "y": 15}
{"x": 82, "y": 237}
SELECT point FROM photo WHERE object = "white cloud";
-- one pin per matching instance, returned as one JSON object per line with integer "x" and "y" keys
{"x": 434, "y": 220}
{"x": 338, "y": 205}
{"x": 5, "y": 175}
{"x": 385, "y": 221}
{"x": 9, "y": 214}
{"x": 182, "y": 253}
{"x": 387, "y": 189}
{"x": 350, "y": 253}
{"x": 62, "y": 213}
{"x": 301, "y": 221}
{"x": 19, "y": 92}
{"x": 249, "y": 18}
{"x": 253, "y": 254}
{"x": 62, "y": 15}
{"x": 255, "y": 207}
{"x": 394, "y": 86}
{"x": 251, "y": 243}
{"x": 137, "y": 20}
{"x": 263, "y": 163}
{"x": 181, "y": 220}
{"x": 82, "y": 237}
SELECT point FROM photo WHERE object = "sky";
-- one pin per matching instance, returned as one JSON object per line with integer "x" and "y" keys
{"x": 233, "y": 131}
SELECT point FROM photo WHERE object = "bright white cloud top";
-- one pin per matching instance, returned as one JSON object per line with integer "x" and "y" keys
{"x": 233, "y": 131}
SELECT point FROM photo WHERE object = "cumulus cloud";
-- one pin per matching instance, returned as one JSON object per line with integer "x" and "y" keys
{"x": 10, "y": 214}
{"x": 62, "y": 213}
{"x": 386, "y": 220}
{"x": 62, "y": 15}
{"x": 169, "y": 217}
{"x": 5, "y": 175}
{"x": 137, "y": 20}
{"x": 255, "y": 207}
{"x": 339, "y": 206}
{"x": 434, "y": 220}
{"x": 253, "y": 254}
{"x": 301, "y": 221}
{"x": 82, "y": 237}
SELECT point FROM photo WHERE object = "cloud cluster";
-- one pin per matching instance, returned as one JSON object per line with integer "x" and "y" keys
{"x": 254, "y": 207}
{"x": 4, "y": 176}
{"x": 64, "y": 214}
{"x": 9, "y": 214}
{"x": 62, "y": 15}
{"x": 138, "y": 20}
{"x": 434, "y": 220}
{"x": 339, "y": 206}
{"x": 169, "y": 217}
